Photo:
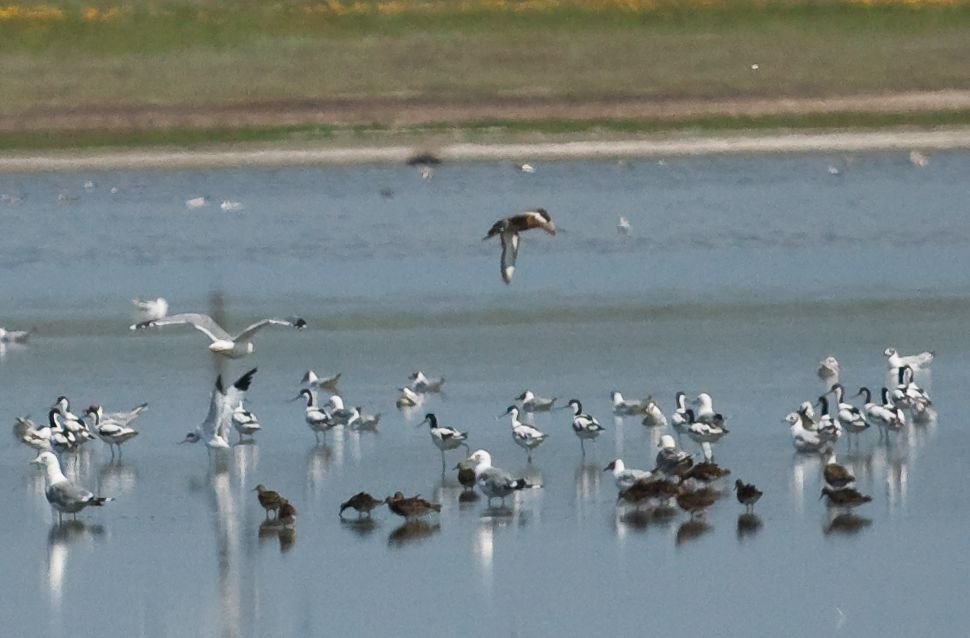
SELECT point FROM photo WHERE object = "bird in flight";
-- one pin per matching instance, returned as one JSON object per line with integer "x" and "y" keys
{"x": 223, "y": 343}
{"x": 508, "y": 230}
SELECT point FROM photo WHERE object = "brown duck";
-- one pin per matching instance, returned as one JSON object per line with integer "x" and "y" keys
{"x": 466, "y": 473}
{"x": 286, "y": 513}
{"x": 695, "y": 502}
{"x": 706, "y": 472}
{"x": 269, "y": 499}
{"x": 410, "y": 508}
{"x": 362, "y": 502}
{"x": 846, "y": 497}
{"x": 747, "y": 494}
{"x": 646, "y": 489}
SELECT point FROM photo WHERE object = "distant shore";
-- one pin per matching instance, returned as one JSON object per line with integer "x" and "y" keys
{"x": 651, "y": 147}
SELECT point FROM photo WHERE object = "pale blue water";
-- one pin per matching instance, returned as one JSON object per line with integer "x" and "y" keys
{"x": 740, "y": 275}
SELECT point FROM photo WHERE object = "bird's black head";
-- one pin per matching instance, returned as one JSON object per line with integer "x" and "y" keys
{"x": 299, "y": 323}
{"x": 544, "y": 214}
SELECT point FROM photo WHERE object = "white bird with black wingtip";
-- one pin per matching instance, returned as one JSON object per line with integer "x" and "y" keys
{"x": 525, "y": 436}
{"x": 585, "y": 427}
{"x": 223, "y": 343}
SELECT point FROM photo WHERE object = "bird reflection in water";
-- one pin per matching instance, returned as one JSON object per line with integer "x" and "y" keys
{"x": 270, "y": 529}
{"x": 748, "y": 525}
{"x": 846, "y": 523}
{"x": 360, "y": 526}
{"x": 116, "y": 477}
{"x": 692, "y": 529}
{"x": 587, "y": 481}
{"x": 319, "y": 458}
{"x": 412, "y": 532}
{"x": 637, "y": 519}
{"x": 60, "y": 538}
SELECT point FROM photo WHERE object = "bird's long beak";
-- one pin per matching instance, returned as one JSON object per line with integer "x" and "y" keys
{"x": 296, "y": 398}
{"x": 36, "y": 461}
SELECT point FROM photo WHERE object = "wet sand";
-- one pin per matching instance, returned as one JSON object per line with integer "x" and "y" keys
{"x": 654, "y": 146}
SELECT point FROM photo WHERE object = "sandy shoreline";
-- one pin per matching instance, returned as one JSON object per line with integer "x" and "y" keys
{"x": 660, "y": 146}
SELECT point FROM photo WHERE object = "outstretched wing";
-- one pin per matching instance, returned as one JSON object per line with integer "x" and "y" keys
{"x": 510, "y": 251}
{"x": 247, "y": 334}
{"x": 202, "y": 323}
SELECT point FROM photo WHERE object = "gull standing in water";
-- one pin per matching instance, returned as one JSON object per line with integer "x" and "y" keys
{"x": 444, "y": 437}
{"x": 508, "y": 230}
{"x": 919, "y": 361}
{"x": 214, "y": 431}
{"x": 223, "y": 343}
{"x": 495, "y": 482}
{"x": 63, "y": 495}
{"x": 584, "y": 425}
{"x": 525, "y": 436}
{"x": 625, "y": 477}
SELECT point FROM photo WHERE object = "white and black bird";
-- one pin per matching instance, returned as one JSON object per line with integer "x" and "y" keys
{"x": 214, "y": 431}
{"x": 885, "y": 414}
{"x": 706, "y": 433}
{"x": 532, "y": 403}
{"x": 64, "y": 496}
{"x": 803, "y": 439}
{"x": 585, "y": 426}
{"x": 850, "y": 416}
{"x": 525, "y": 436}
{"x": 508, "y": 230}
{"x": 114, "y": 429}
{"x": 245, "y": 422}
{"x": 444, "y": 437}
{"x": 492, "y": 481}
{"x": 317, "y": 419}
{"x": 679, "y": 418}
{"x": 223, "y": 343}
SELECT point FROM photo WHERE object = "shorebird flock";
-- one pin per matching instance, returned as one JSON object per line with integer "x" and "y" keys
{"x": 681, "y": 477}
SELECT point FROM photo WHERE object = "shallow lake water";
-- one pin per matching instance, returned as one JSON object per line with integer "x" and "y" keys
{"x": 739, "y": 275}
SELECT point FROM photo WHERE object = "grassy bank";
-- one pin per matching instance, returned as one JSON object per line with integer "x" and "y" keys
{"x": 62, "y": 57}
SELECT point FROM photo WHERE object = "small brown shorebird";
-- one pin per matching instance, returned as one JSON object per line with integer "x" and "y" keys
{"x": 646, "y": 489}
{"x": 747, "y": 494}
{"x": 466, "y": 473}
{"x": 695, "y": 502}
{"x": 705, "y": 472}
{"x": 269, "y": 499}
{"x": 286, "y": 514}
{"x": 362, "y": 502}
{"x": 846, "y": 497}
{"x": 412, "y": 507}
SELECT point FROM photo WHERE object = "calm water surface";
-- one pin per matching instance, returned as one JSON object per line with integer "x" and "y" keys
{"x": 740, "y": 274}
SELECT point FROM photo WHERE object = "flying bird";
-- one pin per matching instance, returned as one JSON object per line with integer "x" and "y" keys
{"x": 223, "y": 343}
{"x": 508, "y": 230}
